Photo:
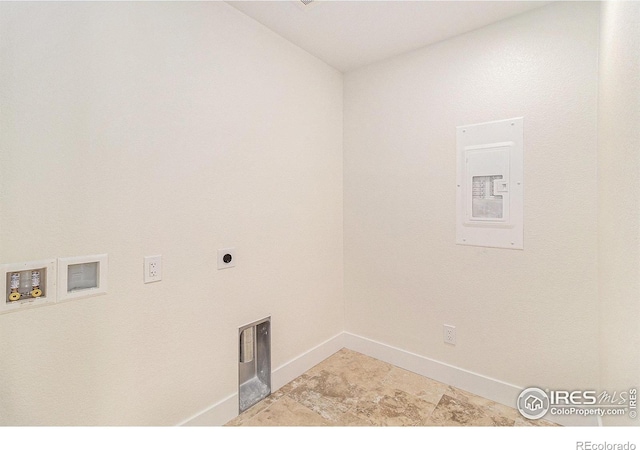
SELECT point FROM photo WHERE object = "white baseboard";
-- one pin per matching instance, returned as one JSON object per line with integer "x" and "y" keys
{"x": 225, "y": 410}
{"x": 216, "y": 415}
{"x": 490, "y": 388}
{"x": 299, "y": 365}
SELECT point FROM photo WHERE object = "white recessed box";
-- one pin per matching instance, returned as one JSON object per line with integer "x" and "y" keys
{"x": 27, "y": 284}
{"x": 82, "y": 276}
{"x": 490, "y": 185}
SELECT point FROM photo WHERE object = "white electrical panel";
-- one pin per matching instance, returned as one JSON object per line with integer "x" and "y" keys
{"x": 27, "y": 284}
{"x": 490, "y": 184}
{"x": 82, "y": 276}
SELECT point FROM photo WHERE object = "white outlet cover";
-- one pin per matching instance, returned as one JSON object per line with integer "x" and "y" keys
{"x": 226, "y": 263}
{"x": 449, "y": 334}
{"x": 73, "y": 267}
{"x": 148, "y": 262}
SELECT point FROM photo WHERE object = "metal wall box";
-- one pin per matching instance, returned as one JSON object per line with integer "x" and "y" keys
{"x": 254, "y": 363}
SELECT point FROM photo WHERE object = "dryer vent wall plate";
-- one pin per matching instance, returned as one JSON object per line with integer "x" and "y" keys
{"x": 254, "y": 363}
{"x": 490, "y": 184}
{"x": 82, "y": 276}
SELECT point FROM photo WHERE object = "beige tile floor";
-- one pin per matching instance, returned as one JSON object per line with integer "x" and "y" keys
{"x": 351, "y": 389}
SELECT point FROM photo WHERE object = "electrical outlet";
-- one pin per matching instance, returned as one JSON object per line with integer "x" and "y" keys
{"x": 227, "y": 258}
{"x": 152, "y": 268}
{"x": 450, "y": 334}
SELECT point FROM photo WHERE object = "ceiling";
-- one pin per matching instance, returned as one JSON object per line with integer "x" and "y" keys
{"x": 352, "y": 34}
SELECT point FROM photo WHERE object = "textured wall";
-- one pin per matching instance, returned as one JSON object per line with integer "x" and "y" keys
{"x": 525, "y": 317}
{"x": 162, "y": 128}
{"x": 619, "y": 198}
{"x": 137, "y": 129}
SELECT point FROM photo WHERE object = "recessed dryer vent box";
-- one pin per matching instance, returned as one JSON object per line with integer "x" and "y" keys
{"x": 82, "y": 276}
{"x": 27, "y": 284}
{"x": 254, "y": 366}
{"x": 490, "y": 184}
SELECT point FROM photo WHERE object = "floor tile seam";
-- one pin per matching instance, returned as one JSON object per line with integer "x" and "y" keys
{"x": 306, "y": 407}
{"x": 416, "y": 422}
{"x": 264, "y": 410}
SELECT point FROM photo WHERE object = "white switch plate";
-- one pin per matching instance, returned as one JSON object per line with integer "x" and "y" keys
{"x": 152, "y": 268}
{"x": 226, "y": 258}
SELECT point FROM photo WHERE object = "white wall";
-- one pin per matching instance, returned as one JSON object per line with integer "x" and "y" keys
{"x": 136, "y": 129}
{"x": 524, "y": 317}
{"x": 619, "y": 198}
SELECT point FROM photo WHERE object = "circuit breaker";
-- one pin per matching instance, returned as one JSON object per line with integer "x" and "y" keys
{"x": 489, "y": 184}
